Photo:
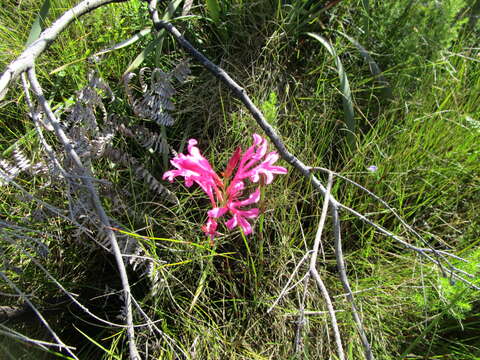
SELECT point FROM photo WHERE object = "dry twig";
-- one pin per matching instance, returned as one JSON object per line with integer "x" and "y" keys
{"x": 87, "y": 181}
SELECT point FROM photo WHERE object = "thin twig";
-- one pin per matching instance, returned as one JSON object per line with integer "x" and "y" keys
{"x": 301, "y": 316}
{"x": 36, "y": 120}
{"x": 16, "y": 335}
{"x": 134, "y": 355}
{"x": 60, "y": 343}
{"x": 286, "y": 289}
{"x": 75, "y": 301}
{"x": 346, "y": 286}
{"x": 451, "y": 270}
{"x": 152, "y": 325}
{"x": 316, "y": 276}
{"x": 402, "y": 221}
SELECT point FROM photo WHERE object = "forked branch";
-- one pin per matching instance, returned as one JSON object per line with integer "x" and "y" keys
{"x": 87, "y": 182}
{"x": 335, "y": 206}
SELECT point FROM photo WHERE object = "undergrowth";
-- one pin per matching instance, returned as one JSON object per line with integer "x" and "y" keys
{"x": 211, "y": 302}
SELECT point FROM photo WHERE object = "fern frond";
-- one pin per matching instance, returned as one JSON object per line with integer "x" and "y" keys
{"x": 155, "y": 101}
{"x": 8, "y": 172}
{"x": 140, "y": 171}
{"x": 163, "y": 118}
{"x": 144, "y": 136}
{"x": 181, "y": 71}
{"x": 98, "y": 145}
{"x": 88, "y": 100}
{"x": 21, "y": 163}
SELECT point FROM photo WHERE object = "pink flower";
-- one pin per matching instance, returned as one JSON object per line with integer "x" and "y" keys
{"x": 253, "y": 165}
{"x": 195, "y": 168}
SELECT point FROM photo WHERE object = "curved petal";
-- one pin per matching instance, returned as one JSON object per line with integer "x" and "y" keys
{"x": 245, "y": 225}
{"x": 232, "y": 222}
{"x": 252, "y": 199}
{"x": 217, "y": 212}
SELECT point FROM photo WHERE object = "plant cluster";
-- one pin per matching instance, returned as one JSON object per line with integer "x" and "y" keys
{"x": 373, "y": 106}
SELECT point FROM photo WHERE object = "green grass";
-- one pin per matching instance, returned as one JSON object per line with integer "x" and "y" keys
{"x": 212, "y": 302}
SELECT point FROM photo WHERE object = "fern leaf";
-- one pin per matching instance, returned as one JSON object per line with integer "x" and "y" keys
{"x": 140, "y": 171}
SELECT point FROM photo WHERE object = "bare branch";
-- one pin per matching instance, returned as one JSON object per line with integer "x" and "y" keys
{"x": 134, "y": 355}
{"x": 286, "y": 288}
{"x": 27, "y": 58}
{"x": 60, "y": 343}
{"x": 316, "y": 275}
{"x": 346, "y": 286}
{"x": 16, "y": 335}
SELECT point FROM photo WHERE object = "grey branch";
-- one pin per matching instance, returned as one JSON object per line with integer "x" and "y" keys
{"x": 316, "y": 276}
{"x": 87, "y": 182}
{"x": 27, "y": 58}
{"x": 346, "y": 285}
{"x": 60, "y": 344}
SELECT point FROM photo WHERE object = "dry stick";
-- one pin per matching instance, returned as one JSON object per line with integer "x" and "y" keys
{"x": 438, "y": 253}
{"x": 35, "y": 117}
{"x": 286, "y": 289}
{"x": 301, "y": 315}
{"x": 40, "y": 343}
{"x": 241, "y": 94}
{"x": 151, "y": 324}
{"x": 421, "y": 251}
{"x": 346, "y": 286}
{"x": 60, "y": 343}
{"x": 75, "y": 301}
{"x": 134, "y": 355}
{"x": 27, "y": 59}
{"x": 314, "y": 272}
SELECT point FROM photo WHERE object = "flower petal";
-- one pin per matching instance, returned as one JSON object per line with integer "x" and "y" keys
{"x": 232, "y": 222}
{"x": 217, "y": 212}
{"x": 245, "y": 225}
{"x": 232, "y": 163}
{"x": 195, "y": 168}
{"x": 252, "y": 199}
{"x": 210, "y": 228}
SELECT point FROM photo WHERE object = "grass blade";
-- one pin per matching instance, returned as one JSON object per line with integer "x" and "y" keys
{"x": 373, "y": 66}
{"x": 109, "y": 352}
{"x": 366, "y": 6}
{"x": 157, "y": 43}
{"x": 347, "y": 102}
{"x": 213, "y": 9}
{"x": 39, "y": 23}
{"x": 126, "y": 43}
{"x": 135, "y": 64}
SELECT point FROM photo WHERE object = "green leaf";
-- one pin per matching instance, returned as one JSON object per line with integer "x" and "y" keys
{"x": 141, "y": 34}
{"x": 347, "y": 102}
{"x": 39, "y": 23}
{"x": 213, "y": 9}
{"x": 157, "y": 43}
{"x": 374, "y": 68}
{"x": 366, "y": 6}
{"x": 141, "y": 57}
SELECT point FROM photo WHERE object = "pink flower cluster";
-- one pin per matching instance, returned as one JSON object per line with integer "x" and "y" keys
{"x": 227, "y": 194}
